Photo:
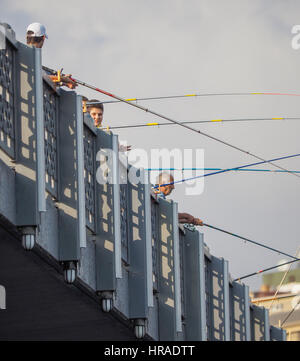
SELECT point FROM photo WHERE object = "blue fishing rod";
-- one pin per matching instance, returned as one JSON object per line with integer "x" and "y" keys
{"x": 228, "y": 170}
{"x": 250, "y": 241}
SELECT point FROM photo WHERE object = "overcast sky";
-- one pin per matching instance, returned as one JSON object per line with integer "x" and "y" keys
{"x": 139, "y": 48}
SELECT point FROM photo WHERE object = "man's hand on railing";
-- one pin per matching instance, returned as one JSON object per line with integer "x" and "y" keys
{"x": 65, "y": 80}
{"x": 198, "y": 222}
{"x": 124, "y": 148}
{"x": 188, "y": 218}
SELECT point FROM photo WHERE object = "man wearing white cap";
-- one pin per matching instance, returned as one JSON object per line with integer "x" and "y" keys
{"x": 35, "y": 36}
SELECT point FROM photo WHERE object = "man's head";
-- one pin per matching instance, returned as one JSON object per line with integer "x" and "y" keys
{"x": 96, "y": 112}
{"x": 165, "y": 178}
{"x": 36, "y": 35}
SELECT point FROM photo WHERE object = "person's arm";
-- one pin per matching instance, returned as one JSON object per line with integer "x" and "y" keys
{"x": 188, "y": 218}
{"x": 65, "y": 80}
{"x": 124, "y": 148}
{"x": 68, "y": 81}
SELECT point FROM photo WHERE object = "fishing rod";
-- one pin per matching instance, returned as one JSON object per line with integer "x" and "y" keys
{"x": 288, "y": 316}
{"x": 193, "y": 95}
{"x": 203, "y": 122}
{"x": 237, "y": 169}
{"x": 169, "y": 119}
{"x": 265, "y": 270}
{"x": 249, "y": 240}
{"x": 226, "y": 170}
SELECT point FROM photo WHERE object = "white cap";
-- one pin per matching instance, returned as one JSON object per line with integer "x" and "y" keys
{"x": 37, "y": 29}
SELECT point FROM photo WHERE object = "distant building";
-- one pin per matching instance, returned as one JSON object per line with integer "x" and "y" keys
{"x": 284, "y": 310}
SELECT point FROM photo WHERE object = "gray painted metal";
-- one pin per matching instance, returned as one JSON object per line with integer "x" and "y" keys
{"x": 208, "y": 295}
{"x": 258, "y": 323}
{"x": 219, "y": 301}
{"x": 105, "y": 239}
{"x": 177, "y": 282}
{"x": 7, "y": 193}
{"x": 138, "y": 287}
{"x": 194, "y": 287}
{"x": 117, "y": 213}
{"x": 8, "y": 95}
{"x": 277, "y": 334}
{"x": 80, "y": 173}
{"x": 26, "y": 152}
{"x": 226, "y": 301}
{"x": 247, "y": 312}
{"x": 48, "y": 230}
{"x": 51, "y": 120}
{"x": 166, "y": 273}
{"x": 267, "y": 325}
{"x": 240, "y": 312}
{"x": 154, "y": 240}
{"x": 87, "y": 269}
{"x": 9, "y": 34}
{"x": 124, "y": 209}
{"x": 90, "y": 136}
{"x": 148, "y": 236}
{"x": 68, "y": 178}
{"x": 40, "y": 132}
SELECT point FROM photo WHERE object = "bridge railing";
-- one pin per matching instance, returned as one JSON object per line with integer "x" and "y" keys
{"x": 73, "y": 193}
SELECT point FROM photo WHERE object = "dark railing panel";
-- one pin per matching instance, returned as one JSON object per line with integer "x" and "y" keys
{"x": 259, "y": 324}
{"x": 182, "y": 285}
{"x": 155, "y": 240}
{"x": 89, "y": 177}
{"x": 238, "y": 311}
{"x": 194, "y": 287}
{"x": 105, "y": 242}
{"x": 7, "y": 94}
{"x": 208, "y": 297}
{"x": 51, "y": 119}
{"x": 124, "y": 210}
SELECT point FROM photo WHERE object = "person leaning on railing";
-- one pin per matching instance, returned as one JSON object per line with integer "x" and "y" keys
{"x": 164, "y": 190}
{"x": 96, "y": 109}
{"x": 96, "y": 112}
{"x": 35, "y": 36}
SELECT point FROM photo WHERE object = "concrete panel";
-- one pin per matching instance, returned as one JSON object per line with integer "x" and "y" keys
{"x": 48, "y": 235}
{"x": 68, "y": 198}
{"x": 138, "y": 293}
{"x": 7, "y": 193}
{"x": 105, "y": 261}
{"x": 152, "y": 326}
{"x": 240, "y": 312}
{"x": 166, "y": 286}
{"x": 121, "y": 295}
{"x": 194, "y": 290}
{"x": 260, "y": 330}
{"x": 87, "y": 265}
{"x": 220, "y": 300}
{"x": 26, "y": 189}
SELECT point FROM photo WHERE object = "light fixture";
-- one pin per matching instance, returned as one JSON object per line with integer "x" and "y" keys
{"x": 139, "y": 327}
{"x": 28, "y": 238}
{"x": 70, "y": 271}
{"x": 106, "y": 301}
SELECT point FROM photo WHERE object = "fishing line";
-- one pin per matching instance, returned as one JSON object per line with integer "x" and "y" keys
{"x": 169, "y": 119}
